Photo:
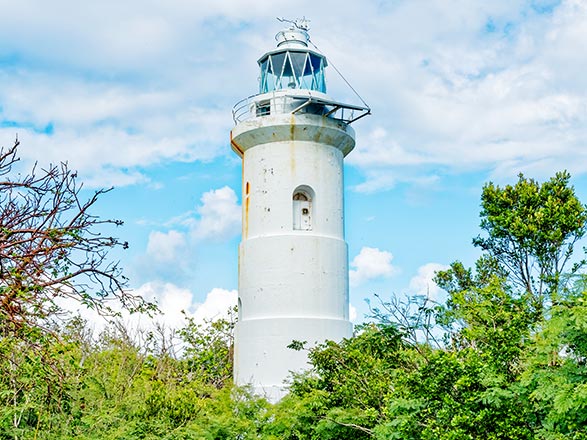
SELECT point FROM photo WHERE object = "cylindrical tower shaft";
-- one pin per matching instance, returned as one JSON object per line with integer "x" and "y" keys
{"x": 293, "y": 275}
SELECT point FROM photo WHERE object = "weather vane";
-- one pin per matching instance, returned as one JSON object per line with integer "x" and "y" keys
{"x": 300, "y": 23}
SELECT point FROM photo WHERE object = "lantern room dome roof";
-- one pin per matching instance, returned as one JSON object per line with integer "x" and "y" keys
{"x": 292, "y": 37}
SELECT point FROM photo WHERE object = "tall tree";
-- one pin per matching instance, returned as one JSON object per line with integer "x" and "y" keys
{"x": 531, "y": 230}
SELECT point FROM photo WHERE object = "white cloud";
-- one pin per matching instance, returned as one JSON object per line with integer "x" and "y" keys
{"x": 376, "y": 180}
{"x": 171, "y": 300}
{"x": 498, "y": 86}
{"x": 498, "y": 97}
{"x": 174, "y": 302}
{"x": 218, "y": 302}
{"x": 423, "y": 284}
{"x": 352, "y": 313}
{"x": 219, "y": 215}
{"x": 369, "y": 264}
{"x": 109, "y": 149}
{"x": 165, "y": 246}
{"x": 379, "y": 148}
{"x": 96, "y": 322}
{"x": 172, "y": 254}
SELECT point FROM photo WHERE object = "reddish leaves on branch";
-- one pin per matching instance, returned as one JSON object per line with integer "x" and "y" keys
{"x": 52, "y": 249}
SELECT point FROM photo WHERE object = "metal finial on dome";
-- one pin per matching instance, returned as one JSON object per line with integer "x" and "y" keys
{"x": 299, "y": 23}
{"x": 296, "y": 34}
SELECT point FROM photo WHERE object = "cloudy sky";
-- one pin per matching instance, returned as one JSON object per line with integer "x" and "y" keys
{"x": 138, "y": 95}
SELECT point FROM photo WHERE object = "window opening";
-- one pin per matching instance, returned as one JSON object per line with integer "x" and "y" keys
{"x": 263, "y": 108}
{"x": 302, "y": 211}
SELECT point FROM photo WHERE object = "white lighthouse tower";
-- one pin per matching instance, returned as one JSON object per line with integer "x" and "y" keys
{"x": 293, "y": 259}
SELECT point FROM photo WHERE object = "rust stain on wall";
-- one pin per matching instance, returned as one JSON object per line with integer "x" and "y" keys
{"x": 246, "y": 220}
{"x": 292, "y": 145}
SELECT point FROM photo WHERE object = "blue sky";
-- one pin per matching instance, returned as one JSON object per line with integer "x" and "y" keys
{"x": 138, "y": 95}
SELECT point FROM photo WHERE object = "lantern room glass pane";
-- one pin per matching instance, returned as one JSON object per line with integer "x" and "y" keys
{"x": 288, "y": 76}
{"x": 298, "y": 61}
{"x": 277, "y": 60}
{"x": 264, "y": 75}
{"x": 292, "y": 70}
{"x": 317, "y": 64}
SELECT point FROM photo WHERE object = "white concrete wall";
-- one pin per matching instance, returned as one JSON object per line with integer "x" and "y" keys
{"x": 293, "y": 276}
{"x": 275, "y": 170}
{"x": 293, "y": 284}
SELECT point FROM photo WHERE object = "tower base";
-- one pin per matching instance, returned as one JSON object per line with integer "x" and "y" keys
{"x": 258, "y": 340}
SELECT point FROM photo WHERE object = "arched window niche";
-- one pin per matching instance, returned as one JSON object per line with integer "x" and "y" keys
{"x": 302, "y": 199}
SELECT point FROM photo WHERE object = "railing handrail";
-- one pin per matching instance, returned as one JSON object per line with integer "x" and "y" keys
{"x": 246, "y": 109}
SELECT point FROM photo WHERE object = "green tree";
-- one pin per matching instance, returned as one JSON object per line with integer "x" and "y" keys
{"x": 209, "y": 348}
{"x": 52, "y": 249}
{"x": 531, "y": 230}
{"x": 345, "y": 394}
{"x": 555, "y": 375}
{"x": 484, "y": 314}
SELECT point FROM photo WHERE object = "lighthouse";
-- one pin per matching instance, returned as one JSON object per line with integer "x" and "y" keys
{"x": 293, "y": 259}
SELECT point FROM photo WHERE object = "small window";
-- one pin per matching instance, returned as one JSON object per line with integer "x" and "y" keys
{"x": 263, "y": 108}
{"x": 302, "y": 209}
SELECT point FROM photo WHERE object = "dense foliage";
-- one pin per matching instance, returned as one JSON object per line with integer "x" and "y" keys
{"x": 505, "y": 357}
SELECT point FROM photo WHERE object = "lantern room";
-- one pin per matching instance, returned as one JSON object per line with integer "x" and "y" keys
{"x": 292, "y": 65}
{"x": 292, "y": 80}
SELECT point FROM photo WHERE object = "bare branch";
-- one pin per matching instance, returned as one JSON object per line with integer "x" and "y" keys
{"x": 52, "y": 247}
{"x": 351, "y": 425}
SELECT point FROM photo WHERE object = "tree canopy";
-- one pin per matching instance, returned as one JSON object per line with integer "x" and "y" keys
{"x": 531, "y": 230}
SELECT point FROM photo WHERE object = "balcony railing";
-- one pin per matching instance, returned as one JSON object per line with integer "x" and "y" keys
{"x": 279, "y": 103}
